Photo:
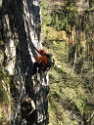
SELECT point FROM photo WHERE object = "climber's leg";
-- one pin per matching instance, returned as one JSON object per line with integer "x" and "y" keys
{"x": 36, "y": 65}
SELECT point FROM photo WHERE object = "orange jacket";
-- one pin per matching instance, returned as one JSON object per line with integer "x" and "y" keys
{"x": 42, "y": 59}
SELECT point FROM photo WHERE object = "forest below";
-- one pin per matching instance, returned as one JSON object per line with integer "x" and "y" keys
{"x": 68, "y": 34}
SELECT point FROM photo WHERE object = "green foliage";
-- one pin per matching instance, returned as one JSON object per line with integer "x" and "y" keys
{"x": 1, "y": 42}
{"x": 64, "y": 19}
{"x": 61, "y": 19}
{"x": 69, "y": 3}
{"x": 45, "y": 9}
{"x": 72, "y": 17}
{"x": 69, "y": 96}
{"x": 1, "y": 57}
{"x": 3, "y": 95}
{"x": 4, "y": 81}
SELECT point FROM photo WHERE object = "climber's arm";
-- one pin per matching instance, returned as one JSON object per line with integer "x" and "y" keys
{"x": 38, "y": 51}
{"x": 39, "y": 59}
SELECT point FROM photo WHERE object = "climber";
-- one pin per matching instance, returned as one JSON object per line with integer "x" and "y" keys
{"x": 40, "y": 61}
{"x": 44, "y": 62}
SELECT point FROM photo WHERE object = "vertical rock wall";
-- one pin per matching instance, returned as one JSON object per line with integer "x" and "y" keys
{"x": 21, "y": 31}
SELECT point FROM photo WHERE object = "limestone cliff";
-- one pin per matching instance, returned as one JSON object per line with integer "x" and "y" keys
{"x": 21, "y": 31}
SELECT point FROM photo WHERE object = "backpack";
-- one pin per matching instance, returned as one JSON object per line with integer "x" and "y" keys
{"x": 49, "y": 64}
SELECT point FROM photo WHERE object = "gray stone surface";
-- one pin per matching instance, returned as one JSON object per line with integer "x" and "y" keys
{"x": 21, "y": 32}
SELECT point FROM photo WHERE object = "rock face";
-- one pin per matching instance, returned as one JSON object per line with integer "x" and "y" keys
{"x": 21, "y": 31}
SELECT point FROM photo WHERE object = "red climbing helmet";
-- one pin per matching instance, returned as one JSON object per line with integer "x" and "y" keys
{"x": 42, "y": 52}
